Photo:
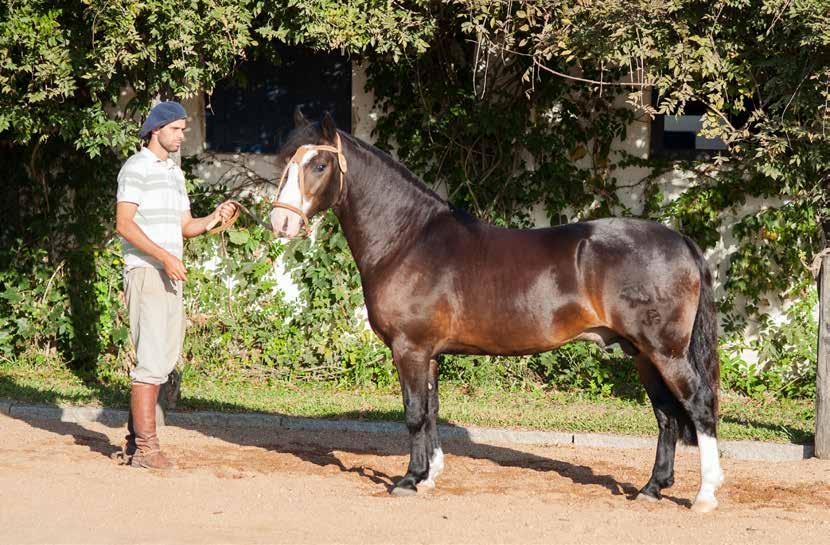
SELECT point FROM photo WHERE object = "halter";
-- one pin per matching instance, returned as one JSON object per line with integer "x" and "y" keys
{"x": 297, "y": 159}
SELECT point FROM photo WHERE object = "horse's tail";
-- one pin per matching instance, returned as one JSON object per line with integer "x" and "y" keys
{"x": 703, "y": 345}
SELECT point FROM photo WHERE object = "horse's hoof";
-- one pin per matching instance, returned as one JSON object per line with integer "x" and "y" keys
{"x": 428, "y": 484}
{"x": 705, "y": 505}
{"x": 646, "y": 498}
{"x": 403, "y": 491}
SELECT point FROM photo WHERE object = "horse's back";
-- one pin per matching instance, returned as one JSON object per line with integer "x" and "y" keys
{"x": 626, "y": 242}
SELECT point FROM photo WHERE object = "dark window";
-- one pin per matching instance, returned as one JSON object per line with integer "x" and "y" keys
{"x": 677, "y": 137}
{"x": 252, "y": 111}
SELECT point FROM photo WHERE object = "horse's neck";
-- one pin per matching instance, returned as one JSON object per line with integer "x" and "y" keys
{"x": 383, "y": 212}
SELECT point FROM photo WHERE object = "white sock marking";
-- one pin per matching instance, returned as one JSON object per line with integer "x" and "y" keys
{"x": 711, "y": 475}
{"x": 436, "y": 466}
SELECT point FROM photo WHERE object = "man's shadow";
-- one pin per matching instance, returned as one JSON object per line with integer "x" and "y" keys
{"x": 47, "y": 417}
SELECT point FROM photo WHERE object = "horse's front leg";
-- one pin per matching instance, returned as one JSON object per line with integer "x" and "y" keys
{"x": 413, "y": 371}
{"x": 434, "y": 453}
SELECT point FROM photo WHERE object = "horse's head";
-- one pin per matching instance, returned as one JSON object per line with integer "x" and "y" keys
{"x": 313, "y": 178}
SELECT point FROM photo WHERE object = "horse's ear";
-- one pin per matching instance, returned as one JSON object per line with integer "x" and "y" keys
{"x": 299, "y": 119}
{"x": 329, "y": 128}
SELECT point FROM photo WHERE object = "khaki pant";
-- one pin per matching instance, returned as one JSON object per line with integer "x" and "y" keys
{"x": 156, "y": 309}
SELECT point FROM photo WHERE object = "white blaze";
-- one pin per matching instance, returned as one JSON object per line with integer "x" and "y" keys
{"x": 290, "y": 194}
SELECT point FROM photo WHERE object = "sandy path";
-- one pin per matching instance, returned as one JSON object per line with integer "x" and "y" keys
{"x": 58, "y": 485}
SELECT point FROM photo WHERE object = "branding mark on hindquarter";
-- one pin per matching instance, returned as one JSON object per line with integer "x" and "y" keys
{"x": 635, "y": 295}
{"x": 652, "y": 317}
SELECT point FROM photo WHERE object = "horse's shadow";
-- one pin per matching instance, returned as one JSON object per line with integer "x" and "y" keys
{"x": 320, "y": 449}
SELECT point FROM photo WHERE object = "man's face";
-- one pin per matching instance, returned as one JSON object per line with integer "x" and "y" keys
{"x": 171, "y": 135}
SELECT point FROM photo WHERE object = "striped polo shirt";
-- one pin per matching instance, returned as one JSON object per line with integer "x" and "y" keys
{"x": 157, "y": 187}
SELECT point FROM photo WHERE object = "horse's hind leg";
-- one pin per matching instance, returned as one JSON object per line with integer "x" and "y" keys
{"x": 413, "y": 371}
{"x": 433, "y": 443}
{"x": 700, "y": 404}
{"x": 668, "y": 412}
{"x": 701, "y": 407}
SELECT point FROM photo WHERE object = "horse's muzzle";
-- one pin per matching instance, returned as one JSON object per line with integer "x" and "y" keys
{"x": 285, "y": 224}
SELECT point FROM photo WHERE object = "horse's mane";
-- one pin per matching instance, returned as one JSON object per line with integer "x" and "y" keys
{"x": 391, "y": 163}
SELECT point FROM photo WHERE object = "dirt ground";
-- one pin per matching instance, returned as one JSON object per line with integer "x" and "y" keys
{"x": 59, "y": 485}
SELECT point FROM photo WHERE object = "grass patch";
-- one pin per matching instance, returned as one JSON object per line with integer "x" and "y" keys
{"x": 530, "y": 407}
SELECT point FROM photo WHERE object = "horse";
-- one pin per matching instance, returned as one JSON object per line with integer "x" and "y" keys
{"x": 437, "y": 281}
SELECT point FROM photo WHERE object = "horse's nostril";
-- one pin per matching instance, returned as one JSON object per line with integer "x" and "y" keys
{"x": 284, "y": 228}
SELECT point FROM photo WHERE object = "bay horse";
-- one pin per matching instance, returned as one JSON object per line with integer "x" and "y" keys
{"x": 437, "y": 281}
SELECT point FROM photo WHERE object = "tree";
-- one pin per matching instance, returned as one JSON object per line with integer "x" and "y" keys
{"x": 63, "y": 65}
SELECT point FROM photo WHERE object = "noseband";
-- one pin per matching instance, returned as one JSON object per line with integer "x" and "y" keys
{"x": 297, "y": 159}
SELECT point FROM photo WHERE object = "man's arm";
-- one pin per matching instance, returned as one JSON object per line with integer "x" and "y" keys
{"x": 193, "y": 227}
{"x": 127, "y": 227}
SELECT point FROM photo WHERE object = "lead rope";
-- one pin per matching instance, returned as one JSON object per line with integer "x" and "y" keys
{"x": 213, "y": 229}
{"x": 223, "y": 252}
{"x": 219, "y": 226}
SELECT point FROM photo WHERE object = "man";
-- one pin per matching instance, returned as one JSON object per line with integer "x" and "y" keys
{"x": 152, "y": 216}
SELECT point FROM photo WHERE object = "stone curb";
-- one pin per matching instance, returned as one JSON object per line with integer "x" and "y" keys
{"x": 770, "y": 452}
{"x": 738, "y": 450}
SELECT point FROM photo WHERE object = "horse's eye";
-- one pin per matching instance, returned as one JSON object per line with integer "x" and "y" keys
{"x": 320, "y": 168}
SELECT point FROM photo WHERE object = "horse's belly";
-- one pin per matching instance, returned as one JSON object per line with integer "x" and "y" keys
{"x": 511, "y": 333}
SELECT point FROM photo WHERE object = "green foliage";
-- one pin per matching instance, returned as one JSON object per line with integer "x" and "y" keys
{"x": 357, "y": 26}
{"x": 496, "y": 151}
{"x": 480, "y": 99}
{"x": 64, "y": 65}
{"x": 585, "y": 367}
{"x": 786, "y": 365}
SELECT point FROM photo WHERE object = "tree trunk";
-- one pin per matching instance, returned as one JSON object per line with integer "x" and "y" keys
{"x": 823, "y": 363}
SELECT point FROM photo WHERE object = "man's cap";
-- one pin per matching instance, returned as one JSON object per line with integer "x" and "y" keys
{"x": 162, "y": 114}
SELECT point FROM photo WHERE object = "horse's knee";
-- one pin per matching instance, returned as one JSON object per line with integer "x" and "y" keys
{"x": 416, "y": 413}
{"x": 415, "y": 423}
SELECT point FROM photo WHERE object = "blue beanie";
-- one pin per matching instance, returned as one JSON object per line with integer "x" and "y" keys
{"x": 162, "y": 114}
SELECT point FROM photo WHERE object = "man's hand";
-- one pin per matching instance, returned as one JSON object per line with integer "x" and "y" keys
{"x": 224, "y": 211}
{"x": 193, "y": 227}
{"x": 174, "y": 268}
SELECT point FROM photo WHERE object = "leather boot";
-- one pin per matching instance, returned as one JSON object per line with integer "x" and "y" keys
{"x": 143, "y": 409}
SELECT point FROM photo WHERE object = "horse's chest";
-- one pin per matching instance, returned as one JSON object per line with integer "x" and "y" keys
{"x": 413, "y": 301}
